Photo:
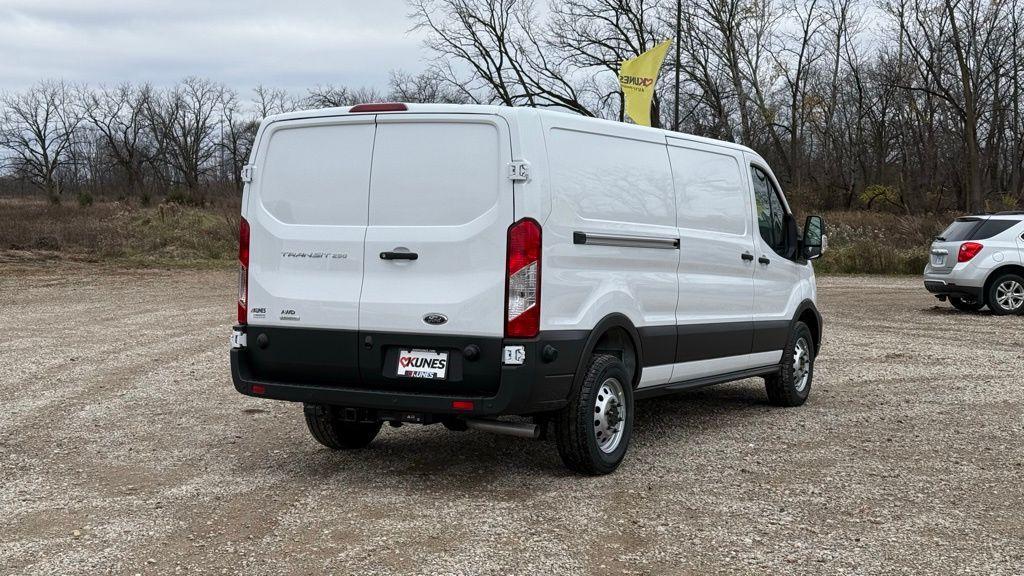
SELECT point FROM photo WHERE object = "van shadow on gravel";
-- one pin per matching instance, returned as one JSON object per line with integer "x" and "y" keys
{"x": 478, "y": 459}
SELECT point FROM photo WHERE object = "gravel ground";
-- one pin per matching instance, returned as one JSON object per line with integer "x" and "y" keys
{"x": 125, "y": 449}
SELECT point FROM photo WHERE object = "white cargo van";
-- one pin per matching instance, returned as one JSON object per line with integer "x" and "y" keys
{"x": 455, "y": 264}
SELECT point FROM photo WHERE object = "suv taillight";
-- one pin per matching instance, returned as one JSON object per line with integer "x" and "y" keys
{"x": 968, "y": 250}
{"x": 522, "y": 280}
{"x": 243, "y": 270}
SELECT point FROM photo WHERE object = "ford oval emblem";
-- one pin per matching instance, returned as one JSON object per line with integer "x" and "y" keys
{"x": 435, "y": 319}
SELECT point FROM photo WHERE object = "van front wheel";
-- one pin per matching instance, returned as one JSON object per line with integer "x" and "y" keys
{"x": 327, "y": 428}
{"x": 792, "y": 384}
{"x": 593, "y": 431}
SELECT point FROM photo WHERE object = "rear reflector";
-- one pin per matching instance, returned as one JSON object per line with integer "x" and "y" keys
{"x": 258, "y": 389}
{"x": 243, "y": 271}
{"x": 462, "y": 405}
{"x": 522, "y": 280}
{"x": 968, "y": 250}
{"x": 384, "y": 107}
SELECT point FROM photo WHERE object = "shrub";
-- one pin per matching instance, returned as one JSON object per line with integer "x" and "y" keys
{"x": 84, "y": 199}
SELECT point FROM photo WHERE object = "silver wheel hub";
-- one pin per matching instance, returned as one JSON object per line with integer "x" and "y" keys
{"x": 609, "y": 415}
{"x": 1010, "y": 295}
{"x": 801, "y": 364}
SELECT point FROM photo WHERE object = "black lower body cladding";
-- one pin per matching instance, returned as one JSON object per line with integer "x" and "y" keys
{"x": 954, "y": 290}
{"x": 688, "y": 343}
{"x": 359, "y": 369}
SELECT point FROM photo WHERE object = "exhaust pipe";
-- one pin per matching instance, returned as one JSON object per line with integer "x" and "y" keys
{"x": 520, "y": 430}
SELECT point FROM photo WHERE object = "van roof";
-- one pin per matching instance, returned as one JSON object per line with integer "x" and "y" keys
{"x": 504, "y": 110}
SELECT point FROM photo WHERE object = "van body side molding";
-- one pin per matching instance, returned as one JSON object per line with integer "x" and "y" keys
{"x": 591, "y": 239}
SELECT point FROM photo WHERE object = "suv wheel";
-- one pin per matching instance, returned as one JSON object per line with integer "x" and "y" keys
{"x": 966, "y": 304}
{"x": 327, "y": 428}
{"x": 792, "y": 385}
{"x": 1006, "y": 295}
{"x": 593, "y": 431}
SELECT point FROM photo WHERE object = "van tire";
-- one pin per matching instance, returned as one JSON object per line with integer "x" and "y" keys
{"x": 575, "y": 432}
{"x": 996, "y": 289}
{"x": 785, "y": 388}
{"x": 966, "y": 305}
{"x": 329, "y": 429}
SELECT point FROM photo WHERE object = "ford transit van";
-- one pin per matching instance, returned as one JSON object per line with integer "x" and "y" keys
{"x": 461, "y": 265}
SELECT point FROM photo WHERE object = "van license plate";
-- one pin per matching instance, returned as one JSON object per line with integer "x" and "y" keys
{"x": 427, "y": 364}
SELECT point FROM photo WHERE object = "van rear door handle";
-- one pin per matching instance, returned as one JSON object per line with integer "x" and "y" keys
{"x": 399, "y": 256}
{"x": 764, "y": 260}
{"x": 747, "y": 256}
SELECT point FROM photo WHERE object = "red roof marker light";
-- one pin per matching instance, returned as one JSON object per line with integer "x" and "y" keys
{"x": 383, "y": 107}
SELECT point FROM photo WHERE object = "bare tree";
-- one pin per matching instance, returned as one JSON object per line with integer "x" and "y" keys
{"x": 428, "y": 86}
{"x": 237, "y": 136}
{"x": 796, "y": 59}
{"x": 273, "y": 101}
{"x": 500, "y": 43}
{"x": 597, "y": 35}
{"x": 184, "y": 121}
{"x": 118, "y": 116}
{"x": 331, "y": 96}
{"x": 951, "y": 43}
{"x": 37, "y": 130}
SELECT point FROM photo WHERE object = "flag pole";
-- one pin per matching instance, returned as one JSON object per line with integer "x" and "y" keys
{"x": 675, "y": 115}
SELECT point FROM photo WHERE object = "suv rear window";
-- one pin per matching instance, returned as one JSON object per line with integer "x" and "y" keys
{"x": 961, "y": 229}
{"x": 992, "y": 228}
{"x": 975, "y": 229}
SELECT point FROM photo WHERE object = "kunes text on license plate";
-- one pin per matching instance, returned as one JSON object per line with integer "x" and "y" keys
{"x": 422, "y": 364}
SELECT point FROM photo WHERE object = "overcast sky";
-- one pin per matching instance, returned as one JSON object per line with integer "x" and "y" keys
{"x": 290, "y": 44}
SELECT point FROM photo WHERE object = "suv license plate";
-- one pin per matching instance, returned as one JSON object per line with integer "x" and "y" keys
{"x": 938, "y": 260}
{"x": 428, "y": 364}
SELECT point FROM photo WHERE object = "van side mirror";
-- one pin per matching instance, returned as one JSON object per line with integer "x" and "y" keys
{"x": 815, "y": 241}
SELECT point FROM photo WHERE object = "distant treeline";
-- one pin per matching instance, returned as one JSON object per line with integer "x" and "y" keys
{"x": 137, "y": 141}
{"x": 904, "y": 105}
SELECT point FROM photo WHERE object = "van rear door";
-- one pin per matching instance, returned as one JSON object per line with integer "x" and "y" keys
{"x": 439, "y": 190}
{"x": 307, "y": 215}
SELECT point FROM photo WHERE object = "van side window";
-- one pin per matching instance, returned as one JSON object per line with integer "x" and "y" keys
{"x": 770, "y": 213}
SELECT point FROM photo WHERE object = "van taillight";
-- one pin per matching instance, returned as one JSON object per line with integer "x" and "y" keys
{"x": 522, "y": 280}
{"x": 243, "y": 270}
{"x": 968, "y": 250}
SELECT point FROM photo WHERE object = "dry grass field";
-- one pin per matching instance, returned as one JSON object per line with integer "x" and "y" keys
{"x": 174, "y": 235}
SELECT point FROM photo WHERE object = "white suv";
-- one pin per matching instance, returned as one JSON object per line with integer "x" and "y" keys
{"x": 979, "y": 261}
{"x": 453, "y": 264}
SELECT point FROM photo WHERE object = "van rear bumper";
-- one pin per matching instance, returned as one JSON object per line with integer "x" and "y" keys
{"x": 359, "y": 377}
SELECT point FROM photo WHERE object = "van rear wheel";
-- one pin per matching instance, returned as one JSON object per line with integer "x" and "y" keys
{"x": 593, "y": 431}
{"x": 327, "y": 427}
{"x": 792, "y": 384}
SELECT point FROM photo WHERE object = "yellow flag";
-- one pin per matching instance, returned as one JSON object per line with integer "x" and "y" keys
{"x": 637, "y": 78}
